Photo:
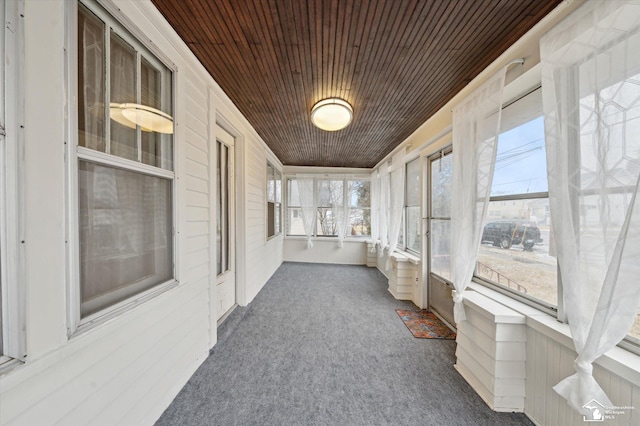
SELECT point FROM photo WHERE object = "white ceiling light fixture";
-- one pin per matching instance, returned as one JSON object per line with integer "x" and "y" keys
{"x": 331, "y": 114}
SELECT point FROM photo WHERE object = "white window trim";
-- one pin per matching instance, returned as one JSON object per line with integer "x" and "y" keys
{"x": 76, "y": 325}
{"x": 315, "y": 236}
{"x": 419, "y": 205}
{"x": 11, "y": 204}
{"x": 266, "y": 211}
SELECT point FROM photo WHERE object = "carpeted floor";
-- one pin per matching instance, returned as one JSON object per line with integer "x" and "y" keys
{"x": 323, "y": 345}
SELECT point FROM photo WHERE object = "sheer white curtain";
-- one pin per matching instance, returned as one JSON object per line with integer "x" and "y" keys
{"x": 385, "y": 195}
{"x": 591, "y": 99}
{"x": 342, "y": 208}
{"x": 396, "y": 201}
{"x": 375, "y": 209}
{"x": 308, "y": 206}
{"x": 476, "y": 125}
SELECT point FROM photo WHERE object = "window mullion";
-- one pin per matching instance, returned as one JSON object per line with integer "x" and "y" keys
{"x": 107, "y": 88}
{"x": 138, "y": 84}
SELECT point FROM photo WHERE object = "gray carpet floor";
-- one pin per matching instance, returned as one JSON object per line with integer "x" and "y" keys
{"x": 322, "y": 345}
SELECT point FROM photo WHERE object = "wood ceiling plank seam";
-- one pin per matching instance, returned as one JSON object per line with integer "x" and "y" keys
{"x": 413, "y": 79}
{"x": 380, "y": 136}
{"x": 389, "y": 47}
{"x": 385, "y": 29}
{"x": 231, "y": 66}
{"x": 342, "y": 40}
{"x": 353, "y": 45}
{"x": 315, "y": 19}
{"x": 329, "y": 14}
{"x": 389, "y": 51}
{"x": 434, "y": 79}
{"x": 285, "y": 68}
{"x": 302, "y": 32}
{"x": 366, "y": 50}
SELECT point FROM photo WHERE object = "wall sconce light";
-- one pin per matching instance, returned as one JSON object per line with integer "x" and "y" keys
{"x": 331, "y": 114}
{"x": 149, "y": 119}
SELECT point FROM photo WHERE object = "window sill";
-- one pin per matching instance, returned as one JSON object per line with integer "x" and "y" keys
{"x": 8, "y": 364}
{"x": 349, "y": 239}
{"x": 619, "y": 361}
{"x": 403, "y": 256}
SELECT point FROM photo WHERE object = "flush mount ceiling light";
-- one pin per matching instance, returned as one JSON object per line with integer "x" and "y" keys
{"x": 331, "y": 114}
{"x": 149, "y": 119}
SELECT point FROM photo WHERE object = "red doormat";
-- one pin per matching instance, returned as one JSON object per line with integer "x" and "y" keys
{"x": 425, "y": 325}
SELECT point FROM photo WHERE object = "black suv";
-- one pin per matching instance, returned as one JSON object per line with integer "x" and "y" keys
{"x": 507, "y": 233}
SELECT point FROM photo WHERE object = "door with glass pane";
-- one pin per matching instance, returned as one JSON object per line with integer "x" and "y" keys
{"x": 439, "y": 226}
{"x": 225, "y": 224}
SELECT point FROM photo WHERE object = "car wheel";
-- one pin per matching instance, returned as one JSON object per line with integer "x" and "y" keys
{"x": 505, "y": 243}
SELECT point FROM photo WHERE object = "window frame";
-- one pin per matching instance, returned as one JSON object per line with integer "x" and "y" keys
{"x": 277, "y": 206}
{"x": 405, "y": 210}
{"x": 546, "y": 307}
{"x": 117, "y": 22}
{"x": 12, "y": 293}
{"x": 316, "y": 185}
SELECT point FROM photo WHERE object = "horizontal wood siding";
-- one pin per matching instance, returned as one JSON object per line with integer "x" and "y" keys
{"x": 263, "y": 256}
{"x": 128, "y": 369}
{"x": 353, "y": 252}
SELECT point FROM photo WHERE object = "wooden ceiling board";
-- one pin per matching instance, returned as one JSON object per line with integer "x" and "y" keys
{"x": 397, "y": 62}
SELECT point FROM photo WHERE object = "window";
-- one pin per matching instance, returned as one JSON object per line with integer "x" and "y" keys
{"x": 124, "y": 165}
{"x": 517, "y": 248}
{"x": 337, "y": 201}
{"x": 412, "y": 207}
{"x": 440, "y": 171}
{"x": 274, "y": 200}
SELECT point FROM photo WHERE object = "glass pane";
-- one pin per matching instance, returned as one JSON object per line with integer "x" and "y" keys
{"x": 123, "y": 90}
{"x": 413, "y": 183}
{"x": 326, "y": 222}
{"x": 293, "y": 196}
{"x": 277, "y": 218}
{"x": 521, "y": 166}
{"x": 518, "y": 248}
{"x": 271, "y": 187}
{"x": 91, "y": 81}
{"x": 126, "y": 244}
{"x": 360, "y": 193}
{"x": 278, "y": 178}
{"x": 441, "y": 178}
{"x": 271, "y": 211}
{"x": 440, "y": 247}
{"x": 360, "y": 222}
{"x": 330, "y": 193}
{"x": 295, "y": 225}
{"x": 413, "y": 228}
{"x": 156, "y": 147}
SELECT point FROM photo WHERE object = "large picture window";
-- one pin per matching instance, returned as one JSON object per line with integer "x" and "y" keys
{"x": 342, "y": 207}
{"x": 517, "y": 250}
{"x": 124, "y": 164}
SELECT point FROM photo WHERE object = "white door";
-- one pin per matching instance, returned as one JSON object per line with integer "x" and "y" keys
{"x": 225, "y": 224}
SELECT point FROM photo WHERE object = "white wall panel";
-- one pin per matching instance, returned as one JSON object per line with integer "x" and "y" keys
{"x": 128, "y": 369}
{"x": 353, "y": 252}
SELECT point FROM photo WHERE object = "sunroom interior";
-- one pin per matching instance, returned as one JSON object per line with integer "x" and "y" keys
{"x": 161, "y": 160}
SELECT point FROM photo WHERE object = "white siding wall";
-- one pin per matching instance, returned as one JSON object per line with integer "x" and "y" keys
{"x": 128, "y": 369}
{"x": 353, "y": 252}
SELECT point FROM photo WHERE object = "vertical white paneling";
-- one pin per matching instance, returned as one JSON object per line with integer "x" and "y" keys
{"x": 548, "y": 362}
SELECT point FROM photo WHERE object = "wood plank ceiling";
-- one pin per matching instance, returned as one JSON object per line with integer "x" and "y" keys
{"x": 397, "y": 62}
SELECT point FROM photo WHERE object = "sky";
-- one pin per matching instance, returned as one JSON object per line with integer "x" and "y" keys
{"x": 521, "y": 160}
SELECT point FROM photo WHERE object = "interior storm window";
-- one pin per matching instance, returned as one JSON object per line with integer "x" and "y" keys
{"x": 274, "y": 200}
{"x": 517, "y": 250}
{"x": 342, "y": 207}
{"x": 412, "y": 207}
{"x": 124, "y": 165}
